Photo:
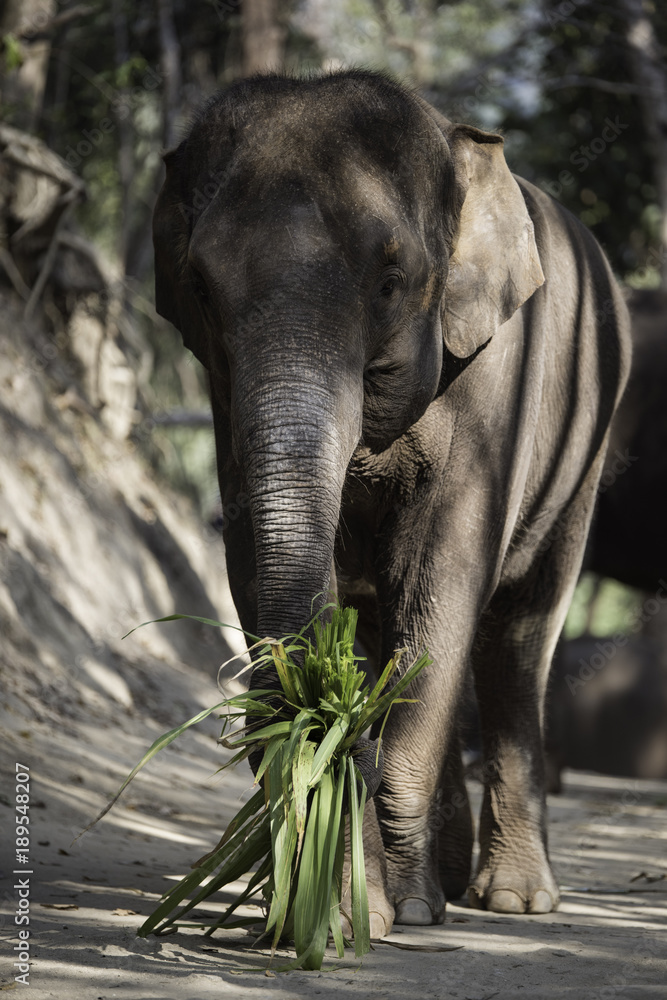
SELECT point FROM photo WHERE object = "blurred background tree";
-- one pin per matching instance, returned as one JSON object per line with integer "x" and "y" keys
{"x": 108, "y": 85}
{"x": 578, "y": 87}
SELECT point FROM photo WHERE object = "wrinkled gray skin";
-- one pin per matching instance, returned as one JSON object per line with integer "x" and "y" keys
{"x": 408, "y": 378}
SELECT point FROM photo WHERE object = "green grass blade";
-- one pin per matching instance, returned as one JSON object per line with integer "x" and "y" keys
{"x": 369, "y": 716}
{"x": 193, "y": 618}
{"x": 160, "y": 743}
{"x": 251, "y": 706}
{"x": 301, "y": 771}
{"x": 252, "y": 806}
{"x": 241, "y": 755}
{"x": 284, "y": 671}
{"x": 327, "y": 748}
{"x": 205, "y": 867}
{"x": 251, "y": 851}
{"x": 336, "y": 889}
{"x": 302, "y": 724}
{"x": 316, "y": 891}
{"x": 251, "y": 889}
{"x": 360, "y": 915}
{"x": 336, "y": 860}
{"x": 283, "y": 844}
{"x": 275, "y": 729}
{"x": 272, "y": 749}
{"x": 313, "y": 894}
{"x": 397, "y": 701}
{"x": 382, "y": 682}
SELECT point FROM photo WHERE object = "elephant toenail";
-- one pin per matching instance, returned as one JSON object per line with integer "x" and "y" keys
{"x": 414, "y": 911}
{"x": 378, "y": 926}
{"x": 475, "y": 899}
{"x": 542, "y": 902}
{"x": 505, "y": 901}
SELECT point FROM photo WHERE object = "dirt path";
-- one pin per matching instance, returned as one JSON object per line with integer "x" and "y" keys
{"x": 608, "y": 840}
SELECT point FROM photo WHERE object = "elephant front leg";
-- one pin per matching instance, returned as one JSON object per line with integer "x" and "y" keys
{"x": 380, "y": 909}
{"x": 422, "y": 805}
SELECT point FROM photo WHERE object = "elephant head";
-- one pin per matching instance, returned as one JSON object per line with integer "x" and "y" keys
{"x": 325, "y": 246}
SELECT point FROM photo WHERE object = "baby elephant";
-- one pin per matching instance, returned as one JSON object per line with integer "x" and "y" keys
{"x": 414, "y": 358}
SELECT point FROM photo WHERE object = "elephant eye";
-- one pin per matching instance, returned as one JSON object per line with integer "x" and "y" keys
{"x": 392, "y": 280}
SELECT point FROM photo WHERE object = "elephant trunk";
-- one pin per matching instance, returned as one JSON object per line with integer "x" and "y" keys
{"x": 294, "y": 437}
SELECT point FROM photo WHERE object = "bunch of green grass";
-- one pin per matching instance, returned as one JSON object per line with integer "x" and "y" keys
{"x": 291, "y": 834}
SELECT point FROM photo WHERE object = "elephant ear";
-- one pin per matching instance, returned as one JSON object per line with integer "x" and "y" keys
{"x": 172, "y": 226}
{"x": 494, "y": 265}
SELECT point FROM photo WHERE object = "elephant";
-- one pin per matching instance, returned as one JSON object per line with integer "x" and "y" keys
{"x": 628, "y": 539}
{"x": 607, "y": 698}
{"x": 414, "y": 358}
{"x": 607, "y": 705}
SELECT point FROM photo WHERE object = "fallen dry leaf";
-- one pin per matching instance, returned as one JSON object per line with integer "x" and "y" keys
{"x": 60, "y": 906}
{"x": 122, "y": 912}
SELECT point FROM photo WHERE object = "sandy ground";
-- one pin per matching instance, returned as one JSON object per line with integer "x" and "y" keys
{"x": 608, "y": 839}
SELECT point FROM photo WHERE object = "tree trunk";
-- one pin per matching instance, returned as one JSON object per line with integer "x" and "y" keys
{"x": 170, "y": 63}
{"x": 22, "y": 89}
{"x": 263, "y": 36}
{"x": 650, "y": 73}
{"x": 125, "y": 133}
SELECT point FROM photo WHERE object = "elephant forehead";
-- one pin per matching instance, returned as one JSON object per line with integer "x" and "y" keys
{"x": 256, "y": 239}
{"x": 292, "y": 140}
{"x": 368, "y": 188}
{"x": 293, "y": 213}
{"x": 291, "y": 249}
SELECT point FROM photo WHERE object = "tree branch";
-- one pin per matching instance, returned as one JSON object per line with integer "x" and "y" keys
{"x": 47, "y": 32}
{"x": 170, "y": 60}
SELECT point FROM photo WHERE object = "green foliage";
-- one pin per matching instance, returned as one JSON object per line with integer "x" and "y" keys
{"x": 563, "y": 141}
{"x": 602, "y": 607}
{"x": 420, "y": 43}
{"x": 12, "y": 52}
{"x": 291, "y": 833}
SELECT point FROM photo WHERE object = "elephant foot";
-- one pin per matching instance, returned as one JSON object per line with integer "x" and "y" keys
{"x": 414, "y": 875}
{"x": 417, "y": 895}
{"x": 381, "y": 912}
{"x": 514, "y": 892}
{"x": 380, "y": 923}
{"x": 413, "y": 910}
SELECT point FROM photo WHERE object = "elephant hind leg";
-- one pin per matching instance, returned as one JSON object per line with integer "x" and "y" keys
{"x": 511, "y": 662}
{"x": 514, "y": 874}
